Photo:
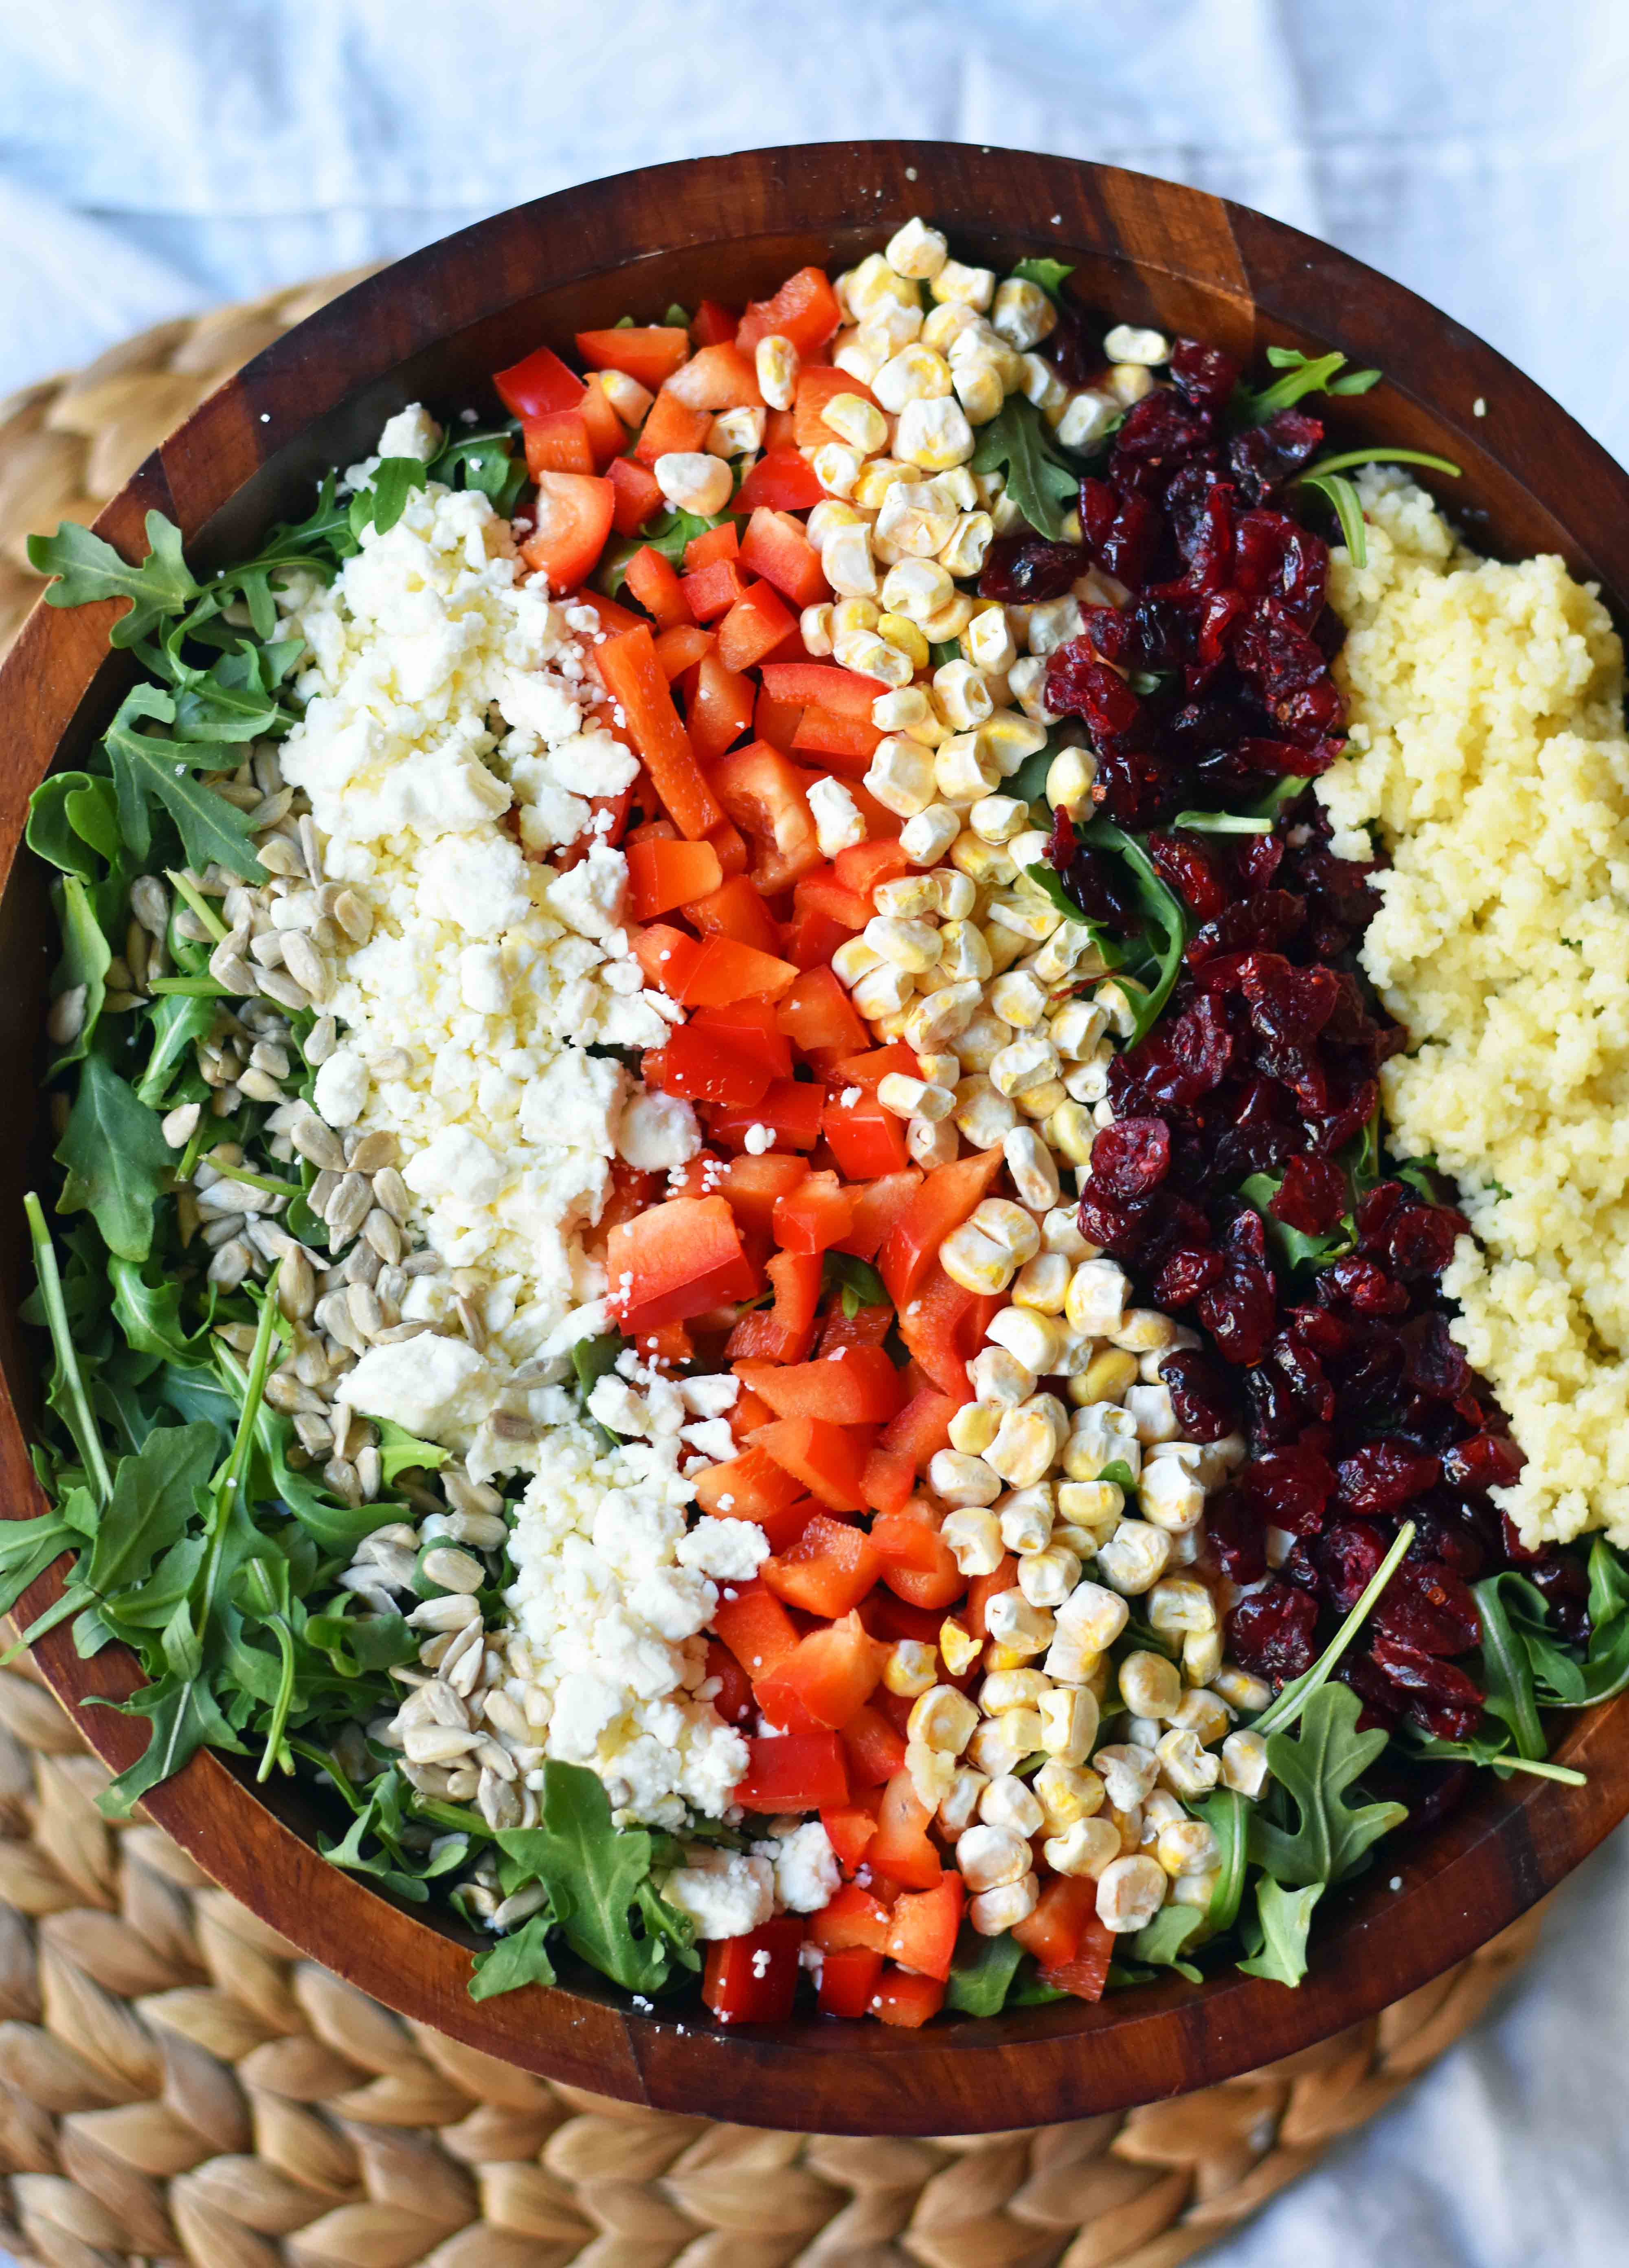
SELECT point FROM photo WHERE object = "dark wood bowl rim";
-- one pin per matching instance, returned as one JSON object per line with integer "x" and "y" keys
{"x": 1425, "y": 1906}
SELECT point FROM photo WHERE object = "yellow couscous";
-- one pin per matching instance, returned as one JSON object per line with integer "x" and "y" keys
{"x": 1488, "y": 755}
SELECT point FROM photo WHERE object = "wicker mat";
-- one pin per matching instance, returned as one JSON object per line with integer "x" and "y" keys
{"x": 178, "y": 2085}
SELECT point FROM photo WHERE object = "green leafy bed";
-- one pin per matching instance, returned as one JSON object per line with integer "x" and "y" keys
{"x": 202, "y": 1538}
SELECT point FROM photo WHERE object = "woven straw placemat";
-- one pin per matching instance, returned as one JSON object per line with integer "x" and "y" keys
{"x": 178, "y": 2085}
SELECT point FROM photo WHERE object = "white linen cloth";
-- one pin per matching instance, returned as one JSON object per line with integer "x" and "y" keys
{"x": 166, "y": 156}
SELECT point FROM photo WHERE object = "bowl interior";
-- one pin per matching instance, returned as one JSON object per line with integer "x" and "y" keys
{"x": 433, "y": 328}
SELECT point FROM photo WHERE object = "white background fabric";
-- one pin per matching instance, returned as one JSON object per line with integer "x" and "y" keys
{"x": 158, "y": 156}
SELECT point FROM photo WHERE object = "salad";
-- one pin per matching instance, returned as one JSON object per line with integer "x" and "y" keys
{"x": 726, "y": 1251}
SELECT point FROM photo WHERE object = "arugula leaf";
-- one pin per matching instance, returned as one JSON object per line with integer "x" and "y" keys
{"x": 858, "y": 1281}
{"x": 28, "y": 1547}
{"x": 486, "y": 460}
{"x": 981, "y": 1973}
{"x": 1162, "y": 911}
{"x": 152, "y": 1503}
{"x": 1338, "y": 490}
{"x": 1121, "y": 1474}
{"x": 115, "y": 1160}
{"x": 1304, "y": 374}
{"x": 666, "y": 534}
{"x": 597, "y": 1877}
{"x": 69, "y": 815}
{"x": 1028, "y": 783}
{"x": 1296, "y": 1698}
{"x": 147, "y": 766}
{"x": 1227, "y": 1814}
{"x": 85, "y": 961}
{"x": 1381, "y": 453}
{"x": 177, "y": 1021}
{"x": 520, "y": 1958}
{"x": 1040, "y": 480}
{"x": 186, "y": 1717}
{"x": 86, "y": 568}
{"x": 382, "y": 503}
{"x": 590, "y": 1362}
{"x": 1162, "y": 1942}
{"x": 1283, "y": 793}
{"x": 1313, "y": 1769}
{"x": 1492, "y": 1755}
{"x": 401, "y": 1452}
{"x": 1224, "y": 822}
{"x": 1282, "y": 1920}
{"x": 1507, "y": 1666}
{"x": 1049, "y": 274}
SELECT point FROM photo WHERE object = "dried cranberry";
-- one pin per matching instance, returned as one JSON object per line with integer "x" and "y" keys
{"x": 1239, "y": 1312}
{"x": 1380, "y": 1711}
{"x": 1202, "y": 1394}
{"x": 1382, "y": 1476}
{"x": 1427, "y": 1604}
{"x": 1432, "y": 1363}
{"x": 1162, "y": 433}
{"x": 1264, "y": 455}
{"x": 1183, "y": 1275}
{"x": 1487, "y": 1460}
{"x": 1236, "y": 1538}
{"x": 1565, "y": 1587}
{"x": 1271, "y": 1632}
{"x": 1183, "y": 861}
{"x": 1080, "y": 683}
{"x": 1349, "y": 1556}
{"x": 1368, "y": 1288}
{"x": 1313, "y": 1196}
{"x": 1204, "y": 374}
{"x": 1018, "y": 569}
{"x": 1290, "y": 1488}
{"x": 1130, "y": 1158}
{"x": 1438, "y": 1696}
{"x": 1184, "y": 1057}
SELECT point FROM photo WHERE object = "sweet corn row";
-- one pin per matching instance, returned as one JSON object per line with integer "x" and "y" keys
{"x": 971, "y": 965}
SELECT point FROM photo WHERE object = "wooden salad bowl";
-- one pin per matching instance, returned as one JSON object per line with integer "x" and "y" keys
{"x": 433, "y": 327}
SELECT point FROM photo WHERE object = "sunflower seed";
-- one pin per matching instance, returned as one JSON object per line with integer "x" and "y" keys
{"x": 340, "y": 1474}
{"x": 510, "y": 1427}
{"x": 66, "y": 1020}
{"x": 390, "y": 1192}
{"x": 435, "y": 1744}
{"x": 292, "y": 1397}
{"x": 277, "y": 984}
{"x": 370, "y": 1473}
{"x": 362, "y": 1265}
{"x": 179, "y": 1125}
{"x": 315, "y": 1433}
{"x": 381, "y": 1232}
{"x": 267, "y": 815}
{"x": 320, "y": 1041}
{"x": 451, "y": 1611}
{"x": 318, "y": 1143}
{"x": 268, "y": 1056}
{"x": 221, "y": 1231}
{"x": 383, "y": 1729}
{"x": 467, "y": 1496}
{"x": 305, "y": 964}
{"x": 505, "y": 1715}
{"x": 371, "y": 1152}
{"x": 397, "y": 1334}
{"x": 348, "y": 1208}
{"x": 137, "y": 946}
{"x": 266, "y": 767}
{"x": 149, "y": 902}
{"x": 278, "y": 856}
{"x": 309, "y": 849}
{"x": 321, "y": 1189}
{"x": 266, "y": 951}
{"x": 501, "y": 1808}
{"x": 395, "y": 1063}
{"x": 231, "y": 1264}
{"x": 297, "y": 1285}
{"x": 364, "y": 1310}
{"x": 453, "y": 1570}
{"x": 474, "y": 1329}
{"x": 353, "y": 914}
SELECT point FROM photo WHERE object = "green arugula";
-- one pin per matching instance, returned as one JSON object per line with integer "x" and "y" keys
{"x": 1040, "y": 479}
{"x": 115, "y": 1160}
{"x": 1296, "y": 1698}
{"x": 1304, "y": 374}
{"x": 981, "y": 1973}
{"x": 1049, "y": 274}
{"x": 86, "y": 568}
{"x": 1165, "y": 920}
{"x": 519, "y": 1959}
{"x": 1277, "y": 1937}
{"x": 1224, "y": 822}
{"x": 667, "y": 534}
{"x": 1163, "y": 1942}
{"x": 1312, "y": 1768}
{"x": 1293, "y": 1245}
{"x": 857, "y": 1280}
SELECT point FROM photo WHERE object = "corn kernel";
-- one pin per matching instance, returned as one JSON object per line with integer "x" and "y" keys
{"x": 942, "y": 1718}
{"x": 846, "y": 562}
{"x": 934, "y": 433}
{"x": 691, "y": 481}
{"x": 1027, "y": 681}
{"x": 1023, "y": 314}
{"x": 1134, "y": 1558}
{"x": 979, "y": 388}
{"x": 1180, "y": 1604}
{"x": 1047, "y": 1577}
{"x": 951, "y": 621}
{"x": 837, "y": 468}
{"x": 901, "y": 776}
{"x": 1185, "y": 1767}
{"x": 1000, "y": 1380}
{"x": 882, "y": 992}
{"x": 1012, "y": 1622}
{"x": 840, "y": 823}
{"x": 733, "y": 432}
{"x": 910, "y": 1667}
{"x": 853, "y": 959}
{"x": 932, "y": 1773}
{"x": 1242, "y": 1689}
{"x": 1150, "y": 1685}
{"x": 1039, "y": 382}
{"x": 991, "y": 1912}
{"x": 916, "y": 250}
{"x": 882, "y": 488}
{"x": 1201, "y": 1655}
{"x": 973, "y": 287}
{"x": 1084, "y": 1847}
{"x": 1012, "y": 1688}
{"x": 945, "y": 323}
{"x": 912, "y": 944}
{"x": 959, "y": 1806}
{"x": 1085, "y": 417}
{"x": 1187, "y": 1846}
{"x": 1009, "y": 1226}
{"x": 916, "y": 373}
{"x": 1067, "y": 1792}
{"x": 814, "y": 626}
{"x": 929, "y": 833}
{"x": 1031, "y": 1338}
{"x": 1125, "y": 342}
{"x": 964, "y": 552}
{"x": 859, "y": 354}
{"x": 858, "y": 422}
{"x": 973, "y": 1539}
{"x": 1042, "y": 1283}
{"x": 1172, "y": 1497}
{"x": 875, "y": 283}
{"x": 1069, "y": 779}
{"x": 1130, "y": 382}
{"x": 1245, "y": 1761}
{"x": 1001, "y": 1743}
{"x": 930, "y": 1143}
{"x": 962, "y": 1481}
{"x": 1027, "y": 1441}
{"x": 970, "y": 1258}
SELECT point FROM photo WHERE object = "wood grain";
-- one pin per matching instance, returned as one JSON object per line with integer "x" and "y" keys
{"x": 432, "y": 328}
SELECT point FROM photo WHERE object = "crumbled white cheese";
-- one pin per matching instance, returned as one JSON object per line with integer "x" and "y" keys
{"x": 725, "y": 1893}
{"x": 807, "y": 1873}
{"x": 439, "y": 1388}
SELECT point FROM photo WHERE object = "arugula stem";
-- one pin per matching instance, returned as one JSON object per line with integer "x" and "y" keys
{"x": 257, "y": 1181}
{"x": 195, "y": 988}
{"x": 1345, "y": 459}
{"x": 62, "y": 1338}
{"x": 232, "y": 1473}
{"x": 198, "y": 902}
{"x": 1284, "y": 1711}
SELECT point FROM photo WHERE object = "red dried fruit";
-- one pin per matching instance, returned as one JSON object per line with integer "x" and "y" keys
{"x": 1018, "y": 569}
{"x": 1130, "y": 1158}
{"x": 1382, "y": 1476}
{"x": 1201, "y": 1394}
{"x": 1271, "y": 1632}
{"x": 1289, "y": 1488}
{"x": 1436, "y": 1695}
{"x": 1486, "y": 1461}
{"x": 1313, "y": 1196}
{"x": 1204, "y": 374}
{"x": 1239, "y": 1312}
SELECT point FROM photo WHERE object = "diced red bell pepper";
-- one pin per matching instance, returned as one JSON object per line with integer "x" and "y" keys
{"x": 717, "y": 378}
{"x": 651, "y": 352}
{"x": 783, "y": 479}
{"x": 866, "y": 1140}
{"x": 874, "y": 1749}
{"x": 737, "y": 909}
{"x": 846, "y": 744}
{"x": 922, "y": 1427}
{"x": 754, "y": 1625}
{"x": 711, "y": 590}
{"x": 607, "y": 434}
{"x": 754, "y": 626}
{"x": 767, "y": 798}
{"x": 722, "y": 708}
{"x": 633, "y": 676}
{"x": 734, "y": 1697}
{"x": 804, "y": 310}
{"x": 817, "y": 1012}
{"x": 887, "y": 1480}
{"x": 877, "y": 1206}
{"x": 785, "y": 1332}
{"x": 775, "y": 721}
{"x": 868, "y": 1071}
{"x": 906, "y": 2000}
{"x": 661, "y": 875}
{"x": 833, "y": 1673}
{"x": 672, "y": 428}
{"x": 867, "y": 1327}
{"x": 557, "y": 443}
{"x": 943, "y": 1326}
{"x": 677, "y": 1260}
{"x": 852, "y": 1916}
{"x": 713, "y": 322}
{"x": 823, "y": 685}
{"x": 820, "y": 896}
{"x": 818, "y": 1213}
{"x": 1055, "y": 1931}
{"x": 712, "y": 545}
{"x": 921, "y": 1930}
{"x": 848, "y": 1982}
{"x": 573, "y": 513}
{"x": 901, "y": 1849}
{"x": 918, "y": 1563}
{"x": 749, "y": 1028}
{"x": 818, "y": 383}
{"x": 666, "y": 956}
{"x": 637, "y": 496}
{"x": 776, "y": 547}
{"x": 752, "y": 1185}
{"x": 700, "y": 1070}
{"x": 811, "y": 938}
{"x": 860, "y": 1387}
{"x": 537, "y": 385}
{"x": 864, "y": 865}
{"x": 943, "y": 1203}
{"x": 726, "y": 971}
{"x": 684, "y": 647}
{"x": 832, "y": 1566}
{"x": 753, "y": 1979}
{"x": 888, "y": 1617}
{"x": 792, "y": 1110}
{"x": 794, "y": 1771}
{"x": 730, "y": 845}
{"x": 656, "y": 587}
